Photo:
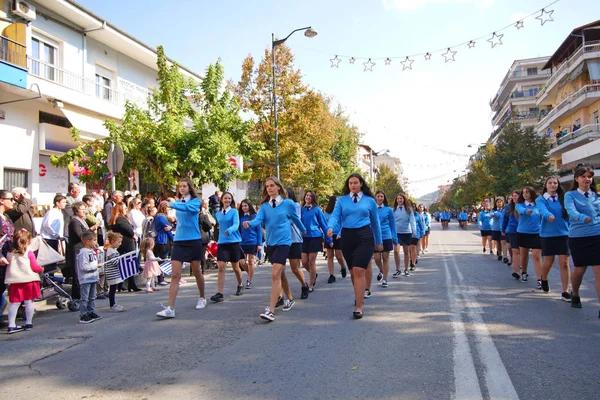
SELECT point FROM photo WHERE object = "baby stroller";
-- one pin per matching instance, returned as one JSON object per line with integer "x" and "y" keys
{"x": 211, "y": 255}
{"x": 51, "y": 287}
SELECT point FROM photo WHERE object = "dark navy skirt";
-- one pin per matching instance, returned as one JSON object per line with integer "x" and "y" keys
{"x": 358, "y": 246}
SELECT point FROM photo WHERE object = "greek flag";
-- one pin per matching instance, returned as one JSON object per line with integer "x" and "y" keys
{"x": 128, "y": 265}
{"x": 166, "y": 268}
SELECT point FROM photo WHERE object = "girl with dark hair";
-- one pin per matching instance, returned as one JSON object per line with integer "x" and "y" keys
{"x": 485, "y": 226}
{"x": 583, "y": 206}
{"x": 229, "y": 249}
{"x": 316, "y": 226}
{"x": 388, "y": 235}
{"x": 335, "y": 247}
{"x": 187, "y": 245}
{"x": 406, "y": 229}
{"x": 427, "y": 220}
{"x": 554, "y": 233}
{"x": 277, "y": 213}
{"x": 356, "y": 213}
{"x": 251, "y": 238}
{"x": 7, "y": 230}
{"x": 295, "y": 253}
{"x": 528, "y": 233}
{"x": 119, "y": 223}
{"x": 496, "y": 215}
{"x": 509, "y": 227}
{"x": 415, "y": 241}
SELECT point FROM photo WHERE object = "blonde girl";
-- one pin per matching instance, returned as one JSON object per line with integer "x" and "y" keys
{"x": 111, "y": 268}
{"x": 151, "y": 269}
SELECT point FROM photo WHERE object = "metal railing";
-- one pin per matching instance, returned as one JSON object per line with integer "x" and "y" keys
{"x": 592, "y": 129}
{"x": 516, "y": 75}
{"x": 13, "y": 52}
{"x": 591, "y": 47}
{"x": 571, "y": 171}
{"x": 76, "y": 82}
{"x": 566, "y": 102}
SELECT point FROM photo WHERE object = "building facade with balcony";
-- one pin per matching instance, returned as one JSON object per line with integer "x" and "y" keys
{"x": 68, "y": 68}
{"x": 516, "y": 97}
{"x": 573, "y": 93}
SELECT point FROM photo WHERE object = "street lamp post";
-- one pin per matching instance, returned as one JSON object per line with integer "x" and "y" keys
{"x": 309, "y": 32}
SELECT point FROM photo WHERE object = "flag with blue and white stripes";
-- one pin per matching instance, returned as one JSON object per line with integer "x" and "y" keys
{"x": 166, "y": 267}
{"x": 128, "y": 265}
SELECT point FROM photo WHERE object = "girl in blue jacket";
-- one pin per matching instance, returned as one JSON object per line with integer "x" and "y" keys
{"x": 295, "y": 252}
{"x": 528, "y": 233}
{"x": 583, "y": 206}
{"x": 251, "y": 238}
{"x": 414, "y": 242}
{"x": 406, "y": 228}
{"x": 554, "y": 233}
{"x": 509, "y": 227}
{"x": 316, "y": 227}
{"x": 427, "y": 221}
{"x": 389, "y": 236}
{"x": 485, "y": 226}
{"x": 335, "y": 246}
{"x": 496, "y": 214}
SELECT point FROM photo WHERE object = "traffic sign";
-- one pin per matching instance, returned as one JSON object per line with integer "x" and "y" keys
{"x": 115, "y": 159}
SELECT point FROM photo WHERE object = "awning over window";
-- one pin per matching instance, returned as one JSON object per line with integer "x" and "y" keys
{"x": 575, "y": 73}
{"x": 594, "y": 69}
{"x": 87, "y": 124}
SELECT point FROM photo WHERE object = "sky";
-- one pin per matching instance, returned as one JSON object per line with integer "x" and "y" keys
{"x": 427, "y": 115}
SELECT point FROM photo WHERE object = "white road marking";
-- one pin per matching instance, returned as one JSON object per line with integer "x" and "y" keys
{"x": 497, "y": 380}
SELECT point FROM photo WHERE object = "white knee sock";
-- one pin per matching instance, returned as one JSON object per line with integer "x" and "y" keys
{"x": 148, "y": 284}
{"x": 12, "y": 314}
{"x": 29, "y": 311}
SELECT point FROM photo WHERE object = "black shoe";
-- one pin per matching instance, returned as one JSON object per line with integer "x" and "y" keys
{"x": 499, "y": 258}
{"x": 491, "y": 252}
{"x": 85, "y": 319}
{"x": 539, "y": 284}
{"x": 575, "y": 301}
{"x": 412, "y": 266}
{"x": 15, "y": 329}
{"x": 357, "y": 315}
{"x": 279, "y": 302}
{"x": 94, "y": 317}
{"x": 217, "y": 298}
{"x": 509, "y": 264}
{"x": 545, "y": 286}
{"x": 304, "y": 294}
{"x": 516, "y": 276}
{"x": 566, "y": 296}
{"x": 379, "y": 276}
{"x": 505, "y": 260}
{"x": 484, "y": 249}
{"x": 343, "y": 272}
{"x": 316, "y": 278}
{"x": 239, "y": 290}
{"x": 331, "y": 279}
{"x": 28, "y": 327}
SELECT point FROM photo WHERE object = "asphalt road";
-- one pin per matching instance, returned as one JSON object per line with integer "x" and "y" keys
{"x": 460, "y": 327}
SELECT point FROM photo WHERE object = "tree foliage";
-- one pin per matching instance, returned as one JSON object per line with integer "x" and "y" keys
{"x": 388, "y": 182}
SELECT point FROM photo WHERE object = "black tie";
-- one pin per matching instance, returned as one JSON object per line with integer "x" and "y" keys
{"x": 183, "y": 201}
{"x": 355, "y": 197}
{"x": 554, "y": 199}
{"x": 380, "y": 207}
{"x": 587, "y": 194}
{"x": 224, "y": 212}
{"x": 274, "y": 202}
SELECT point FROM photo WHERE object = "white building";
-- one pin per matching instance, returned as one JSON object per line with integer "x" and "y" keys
{"x": 62, "y": 66}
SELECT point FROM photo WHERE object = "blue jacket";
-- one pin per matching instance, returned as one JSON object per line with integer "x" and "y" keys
{"x": 528, "y": 223}
{"x": 387, "y": 223}
{"x": 188, "y": 227}
{"x": 427, "y": 219}
{"x": 277, "y": 222}
{"x": 579, "y": 208}
{"x": 229, "y": 223}
{"x": 496, "y": 220}
{"x": 162, "y": 236}
{"x": 348, "y": 214}
{"x": 549, "y": 208}
{"x": 250, "y": 236}
{"x": 315, "y": 223}
{"x": 405, "y": 222}
{"x": 420, "y": 225}
{"x": 296, "y": 234}
{"x": 327, "y": 216}
{"x": 510, "y": 221}
{"x": 462, "y": 216}
{"x": 485, "y": 221}
{"x": 446, "y": 216}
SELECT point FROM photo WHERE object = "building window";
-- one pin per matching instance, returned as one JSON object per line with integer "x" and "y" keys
{"x": 47, "y": 118}
{"x": 103, "y": 87}
{"x": 533, "y": 92}
{"x": 15, "y": 178}
{"x": 532, "y": 71}
{"x": 44, "y": 59}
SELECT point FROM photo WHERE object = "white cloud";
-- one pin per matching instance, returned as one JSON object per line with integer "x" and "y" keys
{"x": 412, "y": 5}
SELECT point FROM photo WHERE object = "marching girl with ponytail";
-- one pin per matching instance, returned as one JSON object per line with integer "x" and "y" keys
{"x": 528, "y": 233}
{"x": 485, "y": 226}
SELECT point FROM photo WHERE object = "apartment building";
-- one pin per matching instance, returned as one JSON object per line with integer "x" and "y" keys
{"x": 516, "y": 97}
{"x": 62, "y": 66}
{"x": 573, "y": 94}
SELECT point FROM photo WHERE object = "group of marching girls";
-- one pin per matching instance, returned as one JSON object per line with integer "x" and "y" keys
{"x": 551, "y": 225}
{"x": 356, "y": 228}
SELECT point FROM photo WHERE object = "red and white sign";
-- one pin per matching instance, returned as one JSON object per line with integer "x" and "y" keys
{"x": 232, "y": 161}
{"x": 43, "y": 170}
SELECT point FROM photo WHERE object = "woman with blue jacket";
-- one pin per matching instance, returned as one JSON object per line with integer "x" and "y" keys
{"x": 415, "y": 241}
{"x": 295, "y": 252}
{"x": 406, "y": 228}
{"x": 583, "y": 206}
{"x": 388, "y": 235}
{"x": 251, "y": 238}
{"x": 496, "y": 214}
{"x": 316, "y": 227}
{"x": 462, "y": 218}
{"x": 509, "y": 228}
{"x": 335, "y": 246}
{"x": 528, "y": 233}
{"x": 427, "y": 221}
{"x": 554, "y": 233}
{"x": 485, "y": 226}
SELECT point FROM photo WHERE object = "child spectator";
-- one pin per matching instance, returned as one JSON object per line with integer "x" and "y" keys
{"x": 87, "y": 273}
{"x": 22, "y": 274}
{"x": 111, "y": 268}
{"x": 151, "y": 269}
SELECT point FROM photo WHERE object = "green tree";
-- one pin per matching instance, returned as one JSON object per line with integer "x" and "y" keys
{"x": 388, "y": 182}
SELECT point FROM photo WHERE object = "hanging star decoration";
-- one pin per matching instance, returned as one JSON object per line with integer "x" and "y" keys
{"x": 519, "y": 24}
{"x": 352, "y": 59}
{"x": 407, "y": 64}
{"x": 449, "y": 55}
{"x": 471, "y": 44}
{"x": 388, "y": 61}
{"x": 335, "y": 62}
{"x": 369, "y": 65}
{"x": 496, "y": 39}
{"x": 427, "y": 56}
{"x": 545, "y": 16}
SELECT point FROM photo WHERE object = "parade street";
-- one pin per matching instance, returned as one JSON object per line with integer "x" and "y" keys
{"x": 459, "y": 327}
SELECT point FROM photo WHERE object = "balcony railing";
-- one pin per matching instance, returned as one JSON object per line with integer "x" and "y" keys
{"x": 518, "y": 75}
{"x": 571, "y": 171}
{"x": 592, "y": 129}
{"x": 591, "y": 47}
{"x": 13, "y": 52}
{"x": 566, "y": 102}
{"x": 73, "y": 81}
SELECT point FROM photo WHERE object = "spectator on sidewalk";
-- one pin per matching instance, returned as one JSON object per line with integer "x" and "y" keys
{"x": 21, "y": 212}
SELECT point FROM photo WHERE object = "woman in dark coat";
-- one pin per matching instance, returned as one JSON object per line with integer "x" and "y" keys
{"x": 120, "y": 224}
{"x": 77, "y": 226}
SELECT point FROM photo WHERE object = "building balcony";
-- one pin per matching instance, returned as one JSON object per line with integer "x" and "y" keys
{"x": 581, "y": 98}
{"x": 13, "y": 62}
{"x": 514, "y": 78}
{"x": 570, "y": 66}
{"x": 575, "y": 139}
{"x": 566, "y": 175}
